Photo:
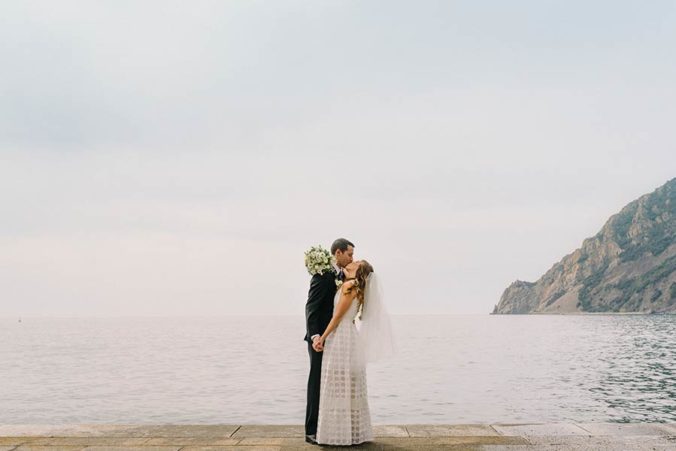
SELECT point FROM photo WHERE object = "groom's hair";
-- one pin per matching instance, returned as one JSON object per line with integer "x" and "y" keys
{"x": 340, "y": 243}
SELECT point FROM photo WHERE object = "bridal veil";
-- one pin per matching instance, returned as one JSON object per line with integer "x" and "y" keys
{"x": 375, "y": 328}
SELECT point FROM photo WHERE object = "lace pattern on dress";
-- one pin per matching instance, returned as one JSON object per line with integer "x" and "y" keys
{"x": 344, "y": 416}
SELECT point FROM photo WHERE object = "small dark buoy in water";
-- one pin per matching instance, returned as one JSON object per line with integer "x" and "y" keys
{"x": 19, "y": 319}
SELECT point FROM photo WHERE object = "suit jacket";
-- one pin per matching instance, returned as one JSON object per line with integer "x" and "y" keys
{"x": 319, "y": 306}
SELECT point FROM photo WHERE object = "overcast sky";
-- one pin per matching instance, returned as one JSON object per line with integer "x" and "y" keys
{"x": 177, "y": 158}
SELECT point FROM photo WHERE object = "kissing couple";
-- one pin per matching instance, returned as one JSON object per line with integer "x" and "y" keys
{"x": 347, "y": 326}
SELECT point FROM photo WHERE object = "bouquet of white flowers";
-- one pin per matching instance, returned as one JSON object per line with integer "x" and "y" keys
{"x": 318, "y": 260}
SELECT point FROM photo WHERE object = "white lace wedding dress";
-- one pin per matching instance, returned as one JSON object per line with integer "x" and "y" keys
{"x": 344, "y": 416}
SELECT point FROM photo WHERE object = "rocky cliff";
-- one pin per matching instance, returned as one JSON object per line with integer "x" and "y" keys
{"x": 628, "y": 266}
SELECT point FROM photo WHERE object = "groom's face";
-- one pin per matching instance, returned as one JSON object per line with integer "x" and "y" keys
{"x": 344, "y": 258}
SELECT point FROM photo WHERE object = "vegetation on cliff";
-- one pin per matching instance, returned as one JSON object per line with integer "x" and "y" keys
{"x": 628, "y": 266}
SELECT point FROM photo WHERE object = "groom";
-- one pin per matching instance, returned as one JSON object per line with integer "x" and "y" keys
{"x": 318, "y": 313}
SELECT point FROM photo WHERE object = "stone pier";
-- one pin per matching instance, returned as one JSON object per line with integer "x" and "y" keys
{"x": 167, "y": 437}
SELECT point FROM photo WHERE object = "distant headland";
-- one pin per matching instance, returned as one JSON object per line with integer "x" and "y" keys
{"x": 629, "y": 266}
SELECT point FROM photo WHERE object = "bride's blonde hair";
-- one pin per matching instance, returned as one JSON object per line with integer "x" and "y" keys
{"x": 360, "y": 277}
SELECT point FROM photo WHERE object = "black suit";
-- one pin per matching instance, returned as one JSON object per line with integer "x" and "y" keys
{"x": 318, "y": 314}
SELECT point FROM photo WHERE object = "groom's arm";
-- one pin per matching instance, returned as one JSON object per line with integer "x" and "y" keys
{"x": 319, "y": 290}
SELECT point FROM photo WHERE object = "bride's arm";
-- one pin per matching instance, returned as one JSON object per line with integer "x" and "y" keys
{"x": 346, "y": 297}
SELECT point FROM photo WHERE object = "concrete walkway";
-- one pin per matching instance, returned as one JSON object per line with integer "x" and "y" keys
{"x": 556, "y": 436}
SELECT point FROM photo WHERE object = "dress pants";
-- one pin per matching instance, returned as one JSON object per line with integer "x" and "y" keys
{"x": 313, "y": 381}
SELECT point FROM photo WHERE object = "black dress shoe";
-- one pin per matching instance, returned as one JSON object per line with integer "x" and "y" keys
{"x": 311, "y": 439}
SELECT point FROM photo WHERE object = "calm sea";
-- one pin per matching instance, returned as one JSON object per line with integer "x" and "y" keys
{"x": 449, "y": 369}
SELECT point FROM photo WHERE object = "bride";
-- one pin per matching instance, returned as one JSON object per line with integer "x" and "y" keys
{"x": 344, "y": 416}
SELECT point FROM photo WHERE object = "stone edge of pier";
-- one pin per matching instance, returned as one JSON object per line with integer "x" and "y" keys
{"x": 212, "y": 437}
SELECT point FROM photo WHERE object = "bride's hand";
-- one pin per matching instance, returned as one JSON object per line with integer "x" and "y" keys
{"x": 318, "y": 345}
